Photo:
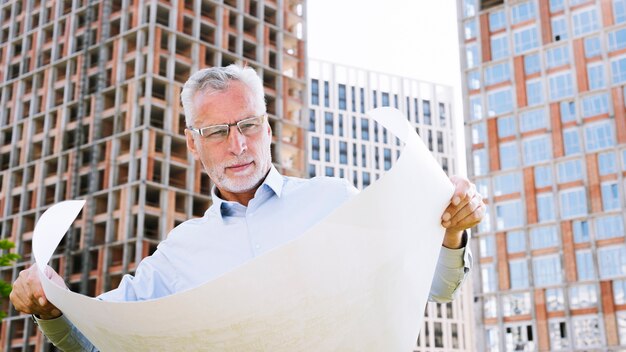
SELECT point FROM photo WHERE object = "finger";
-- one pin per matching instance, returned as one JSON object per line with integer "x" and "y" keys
{"x": 467, "y": 209}
{"x": 462, "y": 187}
{"x": 453, "y": 210}
{"x": 472, "y": 219}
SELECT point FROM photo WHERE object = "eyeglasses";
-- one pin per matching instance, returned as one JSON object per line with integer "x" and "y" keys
{"x": 218, "y": 133}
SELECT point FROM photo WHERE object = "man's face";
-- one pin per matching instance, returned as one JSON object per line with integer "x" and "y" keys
{"x": 239, "y": 163}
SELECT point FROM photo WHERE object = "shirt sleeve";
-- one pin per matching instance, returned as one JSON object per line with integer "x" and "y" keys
{"x": 452, "y": 268}
{"x": 64, "y": 335}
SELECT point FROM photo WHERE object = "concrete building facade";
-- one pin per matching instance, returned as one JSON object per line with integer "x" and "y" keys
{"x": 89, "y": 108}
{"x": 343, "y": 142}
{"x": 544, "y": 93}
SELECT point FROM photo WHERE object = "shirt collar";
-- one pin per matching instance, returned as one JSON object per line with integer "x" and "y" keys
{"x": 273, "y": 181}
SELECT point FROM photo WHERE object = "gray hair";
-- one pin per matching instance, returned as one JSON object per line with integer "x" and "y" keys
{"x": 218, "y": 79}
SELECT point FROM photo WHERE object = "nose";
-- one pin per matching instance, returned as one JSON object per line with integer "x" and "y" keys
{"x": 236, "y": 141}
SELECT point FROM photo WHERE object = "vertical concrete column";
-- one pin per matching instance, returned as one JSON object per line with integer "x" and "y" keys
{"x": 595, "y": 195}
{"x": 492, "y": 137}
{"x": 620, "y": 114}
{"x": 581, "y": 65}
{"x": 608, "y": 308}
{"x": 529, "y": 191}
{"x": 520, "y": 81}
{"x": 541, "y": 315}
{"x": 485, "y": 40}
{"x": 569, "y": 256}
{"x": 503, "y": 262}
{"x": 557, "y": 136}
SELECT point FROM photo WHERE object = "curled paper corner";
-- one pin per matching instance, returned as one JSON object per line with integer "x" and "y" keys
{"x": 51, "y": 227}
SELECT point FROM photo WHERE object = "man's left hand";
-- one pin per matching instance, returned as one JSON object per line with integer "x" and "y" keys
{"x": 466, "y": 210}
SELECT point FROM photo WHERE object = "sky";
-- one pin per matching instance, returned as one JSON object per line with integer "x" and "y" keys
{"x": 413, "y": 38}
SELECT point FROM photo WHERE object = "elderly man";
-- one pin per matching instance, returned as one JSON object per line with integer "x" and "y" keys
{"x": 228, "y": 132}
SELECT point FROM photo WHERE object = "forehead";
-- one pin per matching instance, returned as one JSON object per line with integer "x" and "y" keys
{"x": 225, "y": 106}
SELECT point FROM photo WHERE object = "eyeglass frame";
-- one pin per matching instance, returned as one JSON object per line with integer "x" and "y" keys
{"x": 228, "y": 125}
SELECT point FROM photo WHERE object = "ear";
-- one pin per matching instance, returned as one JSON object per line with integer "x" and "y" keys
{"x": 191, "y": 144}
{"x": 269, "y": 130}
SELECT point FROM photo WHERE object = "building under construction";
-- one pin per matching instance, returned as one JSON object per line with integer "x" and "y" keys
{"x": 90, "y": 110}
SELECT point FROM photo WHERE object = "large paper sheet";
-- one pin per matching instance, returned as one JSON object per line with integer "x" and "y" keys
{"x": 356, "y": 281}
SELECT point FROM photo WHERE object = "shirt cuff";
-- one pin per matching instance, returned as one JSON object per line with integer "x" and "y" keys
{"x": 457, "y": 258}
{"x": 54, "y": 326}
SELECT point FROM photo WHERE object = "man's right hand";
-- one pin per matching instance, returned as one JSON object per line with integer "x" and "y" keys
{"x": 28, "y": 297}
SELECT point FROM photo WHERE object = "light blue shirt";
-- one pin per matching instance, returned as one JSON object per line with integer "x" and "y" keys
{"x": 230, "y": 234}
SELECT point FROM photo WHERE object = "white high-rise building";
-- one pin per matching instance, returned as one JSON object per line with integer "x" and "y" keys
{"x": 344, "y": 142}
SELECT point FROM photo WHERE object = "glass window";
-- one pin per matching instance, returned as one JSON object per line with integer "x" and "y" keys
{"x": 363, "y": 155}
{"x": 509, "y": 215}
{"x": 481, "y": 166}
{"x": 499, "y": 47}
{"x": 330, "y": 171}
{"x": 609, "y": 227}
{"x": 472, "y": 58}
{"x": 543, "y": 176}
{"x": 569, "y": 171}
{"x": 507, "y": 184}
{"x": 533, "y": 120}
{"x": 476, "y": 107}
{"x": 497, "y": 73}
{"x": 473, "y": 80}
{"x": 561, "y": 86}
{"x": 543, "y": 237}
{"x": 497, "y": 20}
{"x": 611, "y": 261}
{"x": 619, "y": 16}
{"x": 384, "y": 97}
{"x": 556, "y": 5}
{"x": 571, "y": 141}
{"x": 537, "y": 149}
{"x": 479, "y": 133}
{"x": 547, "y": 270}
{"x": 519, "y": 338}
{"x": 518, "y": 271}
{"x": 534, "y": 92}
{"x": 586, "y": 332}
{"x": 471, "y": 29}
{"x": 584, "y": 265}
{"x": 573, "y": 203}
{"x": 525, "y": 39}
{"x": 568, "y": 111}
{"x": 598, "y": 136}
{"x": 594, "y": 105}
{"x": 557, "y": 330}
{"x": 532, "y": 64}
{"x": 490, "y": 307}
{"x": 607, "y": 163}
{"x": 489, "y": 278}
{"x": 315, "y": 92}
{"x": 595, "y": 76}
{"x": 619, "y": 291}
{"x": 343, "y": 105}
{"x": 509, "y": 156}
{"x": 492, "y": 339}
{"x": 365, "y": 129}
{"x": 618, "y": 70}
{"x": 522, "y": 12}
{"x": 585, "y": 21}
{"x": 617, "y": 40}
{"x": 328, "y": 122}
{"x": 506, "y": 126}
{"x": 487, "y": 246}
{"x": 516, "y": 303}
{"x": 545, "y": 207}
{"x": 555, "y": 300}
{"x": 593, "y": 47}
{"x": 515, "y": 242}
{"x": 558, "y": 56}
{"x": 500, "y": 102}
{"x": 469, "y": 8}
{"x": 426, "y": 112}
{"x": 581, "y": 231}
{"x": 610, "y": 196}
{"x": 312, "y": 120}
{"x": 559, "y": 28}
{"x": 327, "y": 149}
{"x": 583, "y": 296}
{"x": 315, "y": 146}
{"x": 326, "y": 94}
{"x": 343, "y": 152}
{"x": 485, "y": 225}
